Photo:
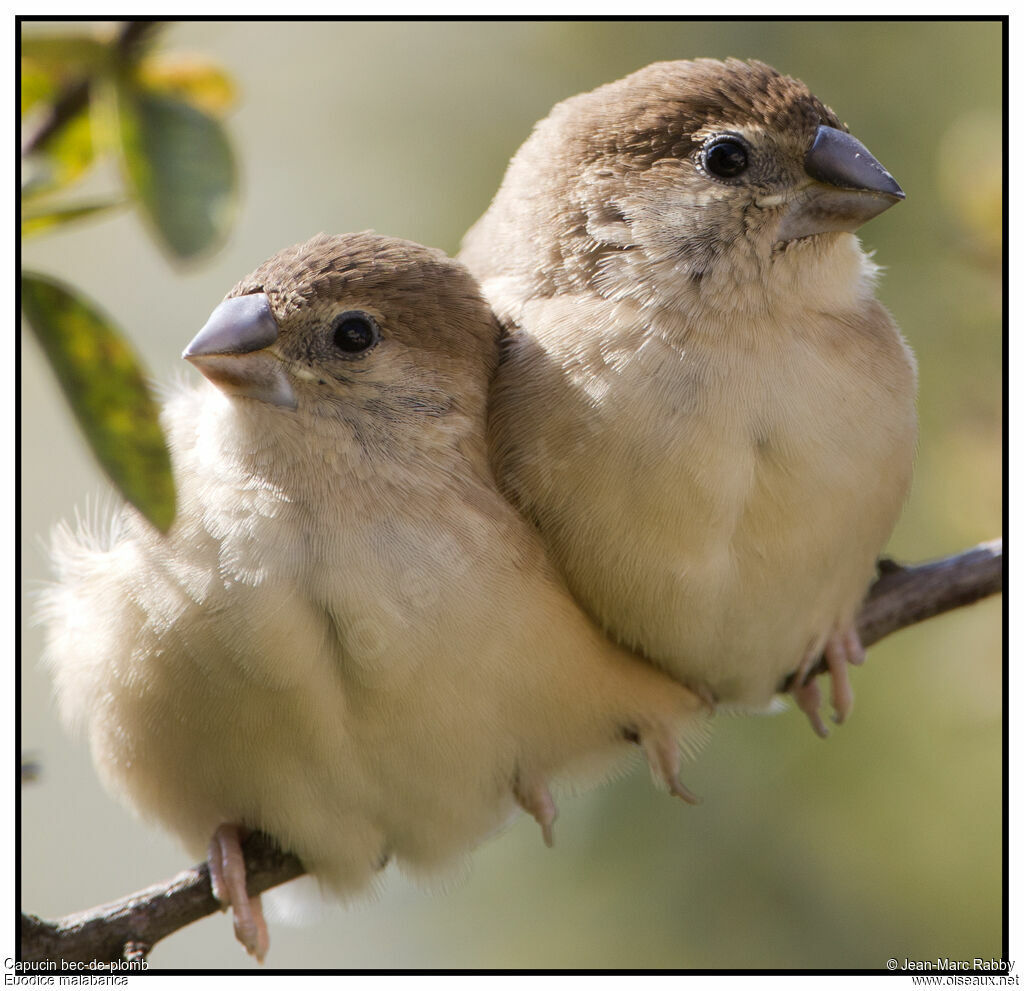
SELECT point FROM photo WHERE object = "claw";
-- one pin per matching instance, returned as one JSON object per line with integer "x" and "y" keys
{"x": 227, "y": 878}
{"x": 843, "y": 648}
{"x": 662, "y": 753}
{"x": 808, "y": 698}
{"x": 535, "y": 798}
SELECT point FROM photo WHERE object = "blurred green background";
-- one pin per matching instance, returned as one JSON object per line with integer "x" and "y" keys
{"x": 883, "y": 841}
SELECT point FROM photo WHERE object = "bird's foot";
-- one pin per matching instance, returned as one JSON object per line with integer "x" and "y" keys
{"x": 841, "y": 649}
{"x": 534, "y": 797}
{"x": 662, "y": 752}
{"x": 808, "y": 700}
{"x": 227, "y": 878}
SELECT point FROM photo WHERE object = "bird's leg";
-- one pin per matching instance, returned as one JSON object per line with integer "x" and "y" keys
{"x": 227, "y": 878}
{"x": 534, "y": 797}
{"x": 842, "y": 648}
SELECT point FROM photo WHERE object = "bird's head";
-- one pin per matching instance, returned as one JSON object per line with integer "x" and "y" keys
{"x": 356, "y": 327}
{"x": 684, "y": 164}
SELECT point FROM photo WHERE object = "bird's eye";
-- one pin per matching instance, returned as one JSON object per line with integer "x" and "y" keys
{"x": 725, "y": 158}
{"x": 355, "y": 332}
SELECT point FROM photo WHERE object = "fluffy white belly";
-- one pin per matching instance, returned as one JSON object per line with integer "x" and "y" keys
{"x": 727, "y": 586}
{"x": 721, "y": 515}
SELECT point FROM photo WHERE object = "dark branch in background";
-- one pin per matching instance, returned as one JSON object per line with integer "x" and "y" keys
{"x": 128, "y": 929}
{"x": 133, "y": 35}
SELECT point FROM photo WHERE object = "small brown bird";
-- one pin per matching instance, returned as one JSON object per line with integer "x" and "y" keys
{"x": 701, "y": 404}
{"x": 348, "y": 639}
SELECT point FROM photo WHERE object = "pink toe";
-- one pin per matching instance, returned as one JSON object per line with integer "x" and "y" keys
{"x": 228, "y": 881}
{"x": 662, "y": 753}
{"x": 855, "y": 652}
{"x": 808, "y": 698}
{"x": 535, "y": 798}
{"x": 843, "y": 649}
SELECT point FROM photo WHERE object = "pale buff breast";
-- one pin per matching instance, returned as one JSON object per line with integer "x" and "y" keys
{"x": 716, "y": 503}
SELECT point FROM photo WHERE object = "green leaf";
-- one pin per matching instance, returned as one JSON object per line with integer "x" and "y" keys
{"x": 36, "y": 86}
{"x": 190, "y": 78}
{"x": 40, "y": 221}
{"x": 105, "y": 385}
{"x": 51, "y": 63}
{"x": 66, "y": 55}
{"x": 179, "y": 162}
{"x": 65, "y": 157}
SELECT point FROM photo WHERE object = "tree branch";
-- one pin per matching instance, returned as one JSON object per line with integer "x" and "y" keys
{"x": 128, "y": 929}
{"x": 904, "y": 596}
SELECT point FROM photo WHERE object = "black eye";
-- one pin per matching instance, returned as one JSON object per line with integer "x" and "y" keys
{"x": 725, "y": 157}
{"x": 355, "y": 332}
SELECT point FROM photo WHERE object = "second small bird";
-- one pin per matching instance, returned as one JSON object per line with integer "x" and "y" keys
{"x": 701, "y": 403}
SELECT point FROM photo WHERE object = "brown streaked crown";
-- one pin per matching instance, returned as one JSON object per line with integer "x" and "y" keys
{"x": 426, "y": 298}
{"x": 654, "y": 112}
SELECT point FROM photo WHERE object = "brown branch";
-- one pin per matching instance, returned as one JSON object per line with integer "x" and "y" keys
{"x": 128, "y": 929}
{"x": 133, "y": 35}
{"x": 903, "y": 596}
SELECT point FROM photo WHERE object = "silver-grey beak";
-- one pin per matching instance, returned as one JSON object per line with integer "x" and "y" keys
{"x": 849, "y": 187}
{"x": 230, "y": 351}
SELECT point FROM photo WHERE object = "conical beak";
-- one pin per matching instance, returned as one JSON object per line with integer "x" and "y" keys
{"x": 231, "y": 352}
{"x": 846, "y": 187}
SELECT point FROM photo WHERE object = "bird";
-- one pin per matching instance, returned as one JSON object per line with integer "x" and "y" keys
{"x": 700, "y": 402}
{"x": 348, "y": 639}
